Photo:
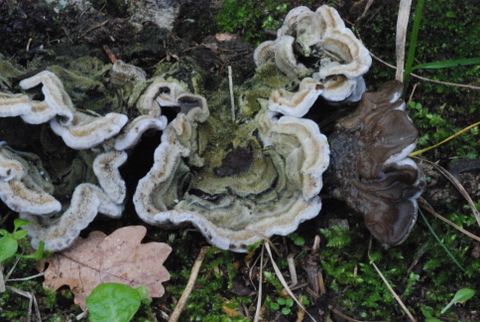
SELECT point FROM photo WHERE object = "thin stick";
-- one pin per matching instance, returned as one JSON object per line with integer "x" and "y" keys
{"x": 230, "y": 84}
{"x": 94, "y": 27}
{"x": 191, "y": 282}
{"x": 401, "y": 36}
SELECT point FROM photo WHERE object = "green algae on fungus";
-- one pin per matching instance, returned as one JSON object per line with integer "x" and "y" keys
{"x": 236, "y": 182}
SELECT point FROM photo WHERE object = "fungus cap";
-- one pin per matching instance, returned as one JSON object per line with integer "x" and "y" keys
{"x": 318, "y": 45}
{"x": 264, "y": 184}
{"x": 370, "y": 168}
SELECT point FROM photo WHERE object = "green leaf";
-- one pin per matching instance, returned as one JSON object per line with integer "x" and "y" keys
{"x": 286, "y": 311}
{"x": 427, "y": 311}
{"x": 3, "y": 232}
{"x": 462, "y": 295}
{"x": 448, "y": 63}
{"x": 113, "y": 302}
{"x": 8, "y": 248}
{"x": 433, "y": 320}
{"x": 39, "y": 253}
{"x": 289, "y": 302}
{"x": 142, "y": 291}
{"x": 20, "y": 222}
{"x": 19, "y": 234}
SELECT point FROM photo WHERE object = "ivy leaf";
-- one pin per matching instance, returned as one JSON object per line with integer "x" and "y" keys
{"x": 117, "y": 258}
{"x": 462, "y": 295}
{"x": 122, "y": 307}
{"x": 8, "y": 248}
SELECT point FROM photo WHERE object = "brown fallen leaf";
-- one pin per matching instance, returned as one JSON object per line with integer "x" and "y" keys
{"x": 117, "y": 258}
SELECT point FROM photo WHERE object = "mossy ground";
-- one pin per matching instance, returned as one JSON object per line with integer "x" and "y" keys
{"x": 425, "y": 271}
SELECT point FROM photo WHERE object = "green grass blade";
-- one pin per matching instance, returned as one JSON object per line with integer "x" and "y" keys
{"x": 462, "y": 295}
{"x": 413, "y": 41}
{"x": 448, "y": 63}
{"x": 440, "y": 242}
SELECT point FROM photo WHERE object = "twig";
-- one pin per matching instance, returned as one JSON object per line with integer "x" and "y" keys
{"x": 188, "y": 289}
{"x": 94, "y": 27}
{"x": 232, "y": 99}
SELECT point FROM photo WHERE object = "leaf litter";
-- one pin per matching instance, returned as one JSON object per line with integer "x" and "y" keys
{"x": 117, "y": 258}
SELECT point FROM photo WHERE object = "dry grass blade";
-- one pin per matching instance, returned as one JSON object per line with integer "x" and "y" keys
{"x": 284, "y": 283}
{"x": 387, "y": 284}
{"x": 457, "y": 185}
{"x": 369, "y": 4}
{"x": 260, "y": 282}
{"x": 191, "y": 282}
{"x": 425, "y": 78}
{"x": 425, "y": 205}
{"x": 232, "y": 98}
{"x": 32, "y": 303}
{"x": 399, "y": 300}
{"x": 401, "y": 36}
{"x": 444, "y": 83}
{"x": 446, "y": 140}
{"x": 2, "y": 281}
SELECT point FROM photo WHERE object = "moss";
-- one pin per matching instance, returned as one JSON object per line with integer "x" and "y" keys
{"x": 251, "y": 18}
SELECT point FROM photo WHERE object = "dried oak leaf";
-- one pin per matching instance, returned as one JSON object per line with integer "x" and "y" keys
{"x": 117, "y": 258}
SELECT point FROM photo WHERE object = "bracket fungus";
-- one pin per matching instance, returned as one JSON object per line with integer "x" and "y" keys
{"x": 78, "y": 129}
{"x": 370, "y": 168}
{"x": 24, "y": 188}
{"x": 265, "y": 180}
{"x": 25, "y": 185}
{"x": 318, "y": 47}
{"x": 27, "y": 189}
